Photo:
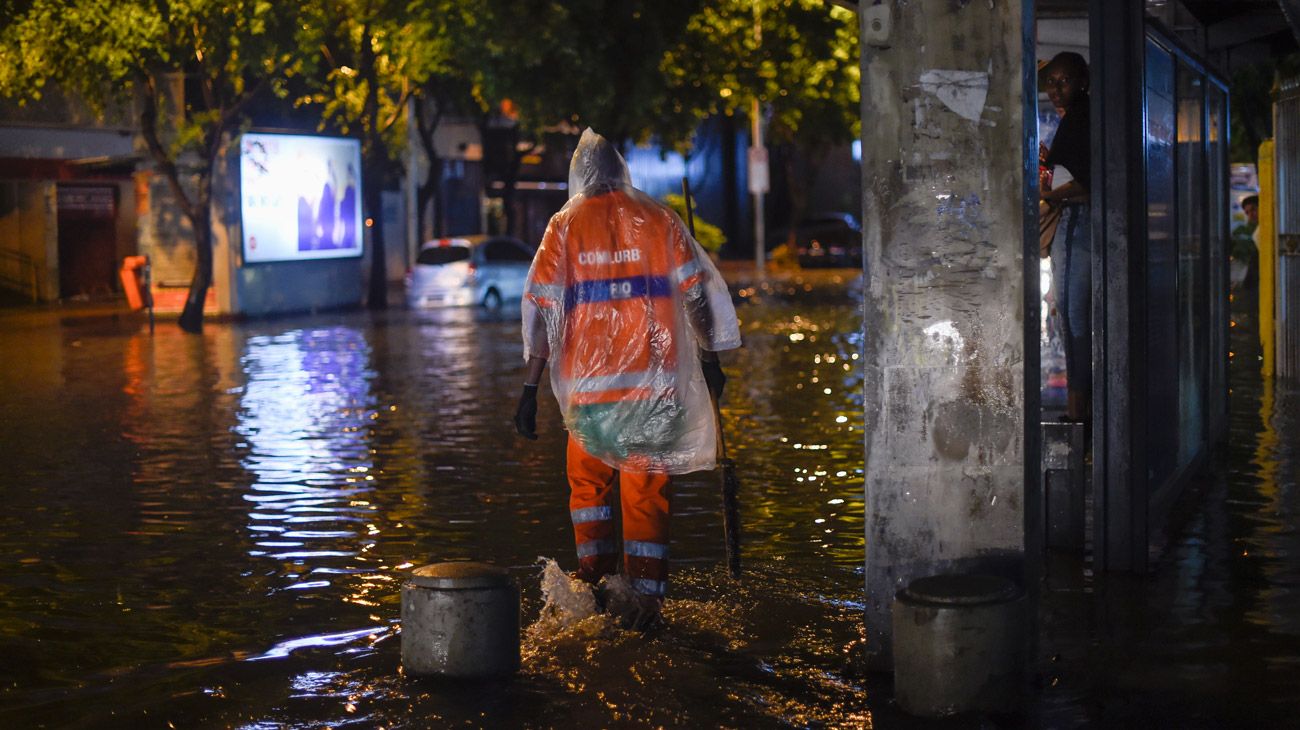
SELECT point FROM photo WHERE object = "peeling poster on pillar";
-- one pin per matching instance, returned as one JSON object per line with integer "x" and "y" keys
{"x": 963, "y": 92}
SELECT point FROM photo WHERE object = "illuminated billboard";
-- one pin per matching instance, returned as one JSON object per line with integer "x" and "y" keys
{"x": 300, "y": 197}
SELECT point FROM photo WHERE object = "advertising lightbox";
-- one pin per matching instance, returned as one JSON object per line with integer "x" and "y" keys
{"x": 300, "y": 197}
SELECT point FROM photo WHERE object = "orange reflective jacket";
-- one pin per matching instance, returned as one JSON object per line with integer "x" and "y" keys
{"x": 616, "y": 270}
{"x": 605, "y": 302}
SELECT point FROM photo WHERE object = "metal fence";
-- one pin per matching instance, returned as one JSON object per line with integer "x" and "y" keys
{"x": 1287, "y": 311}
{"x": 1288, "y": 314}
{"x": 1287, "y": 135}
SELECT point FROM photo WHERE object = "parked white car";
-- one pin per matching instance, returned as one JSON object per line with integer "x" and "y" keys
{"x": 469, "y": 271}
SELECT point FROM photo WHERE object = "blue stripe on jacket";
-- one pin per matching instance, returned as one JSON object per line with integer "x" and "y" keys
{"x": 606, "y": 290}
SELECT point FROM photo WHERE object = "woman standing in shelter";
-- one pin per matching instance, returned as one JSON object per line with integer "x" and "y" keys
{"x": 1066, "y": 79}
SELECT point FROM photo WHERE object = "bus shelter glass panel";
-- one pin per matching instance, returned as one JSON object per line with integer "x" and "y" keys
{"x": 1216, "y": 177}
{"x": 1162, "y": 353}
{"x": 1190, "y": 217}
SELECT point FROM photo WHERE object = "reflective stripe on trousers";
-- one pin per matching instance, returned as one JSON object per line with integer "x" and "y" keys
{"x": 645, "y": 501}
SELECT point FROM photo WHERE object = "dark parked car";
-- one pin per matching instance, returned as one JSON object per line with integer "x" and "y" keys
{"x": 826, "y": 240}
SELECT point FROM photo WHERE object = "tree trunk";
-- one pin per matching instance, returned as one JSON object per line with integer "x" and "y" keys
{"x": 374, "y": 200}
{"x": 192, "y": 314}
{"x": 797, "y": 177}
{"x": 435, "y": 194}
{"x": 198, "y": 211}
{"x": 508, "y": 206}
{"x": 431, "y": 188}
{"x": 508, "y": 192}
{"x": 374, "y": 156}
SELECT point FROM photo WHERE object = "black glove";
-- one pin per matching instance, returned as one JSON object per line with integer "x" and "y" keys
{"x": 713, "y": 377}
{"x": 526, "y": 413}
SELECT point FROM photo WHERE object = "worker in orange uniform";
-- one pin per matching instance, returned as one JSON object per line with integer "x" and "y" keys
{"x": 633, "y": 313}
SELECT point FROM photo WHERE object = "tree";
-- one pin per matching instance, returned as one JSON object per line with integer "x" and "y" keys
{"x": 609, "y": 68}
{"x": 1252, "y": 104}
{"x": 446, "y": 87}
{"x": 437, "y": 96}
{"x": 231, "y": 50}
{"x": 634, "y": 70}
{"x": 361, "y": 79}
{"x": 801, "y": 66}
{"x": 571, "y": 64}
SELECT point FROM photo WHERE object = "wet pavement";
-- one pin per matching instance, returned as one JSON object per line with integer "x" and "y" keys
{"x": 211, "y": 532}
{"x": 1210, "y": 638}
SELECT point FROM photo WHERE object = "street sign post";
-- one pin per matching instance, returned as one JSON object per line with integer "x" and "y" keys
{"x": 760, "y": 181}
{"x": 759, "y": 184}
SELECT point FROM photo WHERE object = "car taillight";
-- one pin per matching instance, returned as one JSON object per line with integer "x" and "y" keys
{"x": 470, "y": 272}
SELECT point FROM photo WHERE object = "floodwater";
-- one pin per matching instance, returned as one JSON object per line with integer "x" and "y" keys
{"x": 212, "y": 531}
{"x": 1210, "y": 637}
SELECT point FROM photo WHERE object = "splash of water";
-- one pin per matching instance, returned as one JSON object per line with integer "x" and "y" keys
{"x": 566, "y": 601}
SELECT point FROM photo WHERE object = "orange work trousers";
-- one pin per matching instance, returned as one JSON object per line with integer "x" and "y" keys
{"x": 646, "y": 499}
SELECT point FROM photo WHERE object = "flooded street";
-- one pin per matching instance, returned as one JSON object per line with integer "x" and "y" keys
{"x": 1210, "y": 638}
{"x": 212, "y": 531}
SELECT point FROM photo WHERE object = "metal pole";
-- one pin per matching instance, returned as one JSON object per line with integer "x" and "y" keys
{"x": 148, "y": 289}
{"x": 760, "y": 232}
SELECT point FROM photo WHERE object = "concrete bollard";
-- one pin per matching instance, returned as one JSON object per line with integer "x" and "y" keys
{"x": 460, "y": 620}
{"x": 959, "y": 645}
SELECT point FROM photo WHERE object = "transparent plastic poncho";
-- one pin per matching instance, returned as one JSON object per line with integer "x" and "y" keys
{"x": 620, "y": 298}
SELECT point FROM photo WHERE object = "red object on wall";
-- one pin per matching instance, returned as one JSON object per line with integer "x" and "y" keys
{"x": 132, "y": 280}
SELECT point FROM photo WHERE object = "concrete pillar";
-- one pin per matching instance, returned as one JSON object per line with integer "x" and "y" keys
{"x": 947, "y": 219}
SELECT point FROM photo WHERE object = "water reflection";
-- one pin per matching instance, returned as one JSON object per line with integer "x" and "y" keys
{"x": 1212, "y": 637}
{"x": 285, "y": 648}
{"x": 257, "y": 493}
{"x": 803, "y": 448}
{"x": 176, "y": 506}
{"x": 304, "y": 415}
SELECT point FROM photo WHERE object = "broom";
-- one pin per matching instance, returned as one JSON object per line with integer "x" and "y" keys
{"x": 729, "y": 482}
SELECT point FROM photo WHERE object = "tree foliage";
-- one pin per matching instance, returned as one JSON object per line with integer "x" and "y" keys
{"x": 797, "y": 58}
{"x": 801, "y": 65}
{"x": 367, "y": 59}
{"x": 1252, "y": 104}
{"x": 121, "y": 52}
{"x": 708, "y": 235}
{"x": 635, "y": 70}
{"x": 584, "y": 62}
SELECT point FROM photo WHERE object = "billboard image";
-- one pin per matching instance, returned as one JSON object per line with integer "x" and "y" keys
{"x": 300, "y": 197}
